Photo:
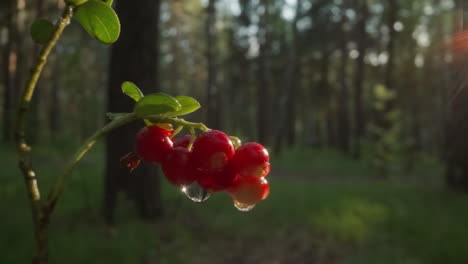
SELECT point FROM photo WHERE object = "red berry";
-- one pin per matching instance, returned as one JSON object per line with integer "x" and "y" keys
{"x": 212, "y": 151}
{"x": 249, "y": 190}
{"x": 251, "y": 160}
{"x": 217, "y": 180}
{"x": 182, "y": 141}
{"x": 153, "y": 144}
{"x": 177, "y": 167}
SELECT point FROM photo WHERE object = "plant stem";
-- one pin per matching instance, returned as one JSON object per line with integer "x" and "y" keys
{"x": 57, "y": 189}
{"x": 24, "y": 151}
{"x": 180, "y": 122}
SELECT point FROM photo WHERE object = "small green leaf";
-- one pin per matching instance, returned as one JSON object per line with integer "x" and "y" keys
{"x": 113, "y": 116}
{"x": 42, "y": 30}
{"x": 100, "y": 20}
{"x": 156, "y": 104}
{"x": 132, "y": 90}
{"x": 188, "y": 104}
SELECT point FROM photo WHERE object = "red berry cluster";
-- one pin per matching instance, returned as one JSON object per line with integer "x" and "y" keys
{"x": 209, "y": 159}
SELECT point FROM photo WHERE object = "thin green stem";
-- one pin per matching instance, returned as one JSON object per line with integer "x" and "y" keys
{"x": 57, "y": 189}
{"x": 181, "y": 122}
{"x": 24, "y": 151}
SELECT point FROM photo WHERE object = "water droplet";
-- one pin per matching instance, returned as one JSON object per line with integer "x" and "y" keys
{"x": 195, "y": 192}
{"x": 243, "y": 207}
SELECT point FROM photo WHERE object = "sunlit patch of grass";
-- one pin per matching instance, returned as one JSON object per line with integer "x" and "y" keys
{"x": 350, "y": 219}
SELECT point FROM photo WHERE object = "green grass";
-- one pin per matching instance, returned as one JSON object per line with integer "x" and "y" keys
{"x": 350, "y": 219}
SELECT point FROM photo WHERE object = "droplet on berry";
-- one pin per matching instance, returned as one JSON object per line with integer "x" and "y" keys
{"x": 195, "y": 192}
{"x": 243, "y": 207}
{"x": 249, "y": 190}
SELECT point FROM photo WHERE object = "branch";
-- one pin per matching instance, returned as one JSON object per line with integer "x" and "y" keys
{"x": 57, "y": 189}
{"x": 23, "y": 149}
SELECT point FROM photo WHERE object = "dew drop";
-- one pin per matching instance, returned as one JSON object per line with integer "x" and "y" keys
{"x": 195, "y": 192}
{"x": 243, "y": 207}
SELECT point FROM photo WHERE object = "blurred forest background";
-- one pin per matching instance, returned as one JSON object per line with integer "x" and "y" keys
{"x": 361, "y": 103}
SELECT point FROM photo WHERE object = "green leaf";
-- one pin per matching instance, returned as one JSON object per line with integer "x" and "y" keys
{"x": 42, "y": 30}
{"x": 132, "y": 90}
{"x": 113, "y": 116}
{"x": 156, "y": 104}
{"x": 99, "y": 20}
{"x": 188, "y": 104}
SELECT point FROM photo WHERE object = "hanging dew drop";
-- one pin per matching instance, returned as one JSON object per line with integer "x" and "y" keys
{"x": 243, "y": 207}
{"x": 195, "y": 192}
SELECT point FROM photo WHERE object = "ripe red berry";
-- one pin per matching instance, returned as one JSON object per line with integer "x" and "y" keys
{"x": 249, "y": 190}
{"x": 153, "y": 144}
{"x": 251, "y": 160}
{"x": 217, "y": 180}
{"x": 182, "y": 141}
{"x": 178, "y": 167}
{"x": 212, "y": 151}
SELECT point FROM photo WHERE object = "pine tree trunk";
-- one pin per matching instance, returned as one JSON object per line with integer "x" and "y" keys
{"x": 361, "y": 38}
{"x": 213, "y": 105}
{"x": 263, "y": 80}
{"x": 134, "y": 57}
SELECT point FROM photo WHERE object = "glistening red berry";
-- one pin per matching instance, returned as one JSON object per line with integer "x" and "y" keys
{"x": 212, "y": 150}
{"x": 178, "y": 167}
{"x": 251, "y": 160}
{"x": 217, "y": 180}
{"x": 249, "y": 190}
{"x": 153, "y": 144}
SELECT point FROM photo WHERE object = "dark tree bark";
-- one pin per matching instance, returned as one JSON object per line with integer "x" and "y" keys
{"x": 263, "y": 77}
{"x": 361, "y": 38}
{"x": 134, "y": 57}
{"x": 287, "y": 117}
{"x": 343, "y": 93}
{"x": 456, "y": 176}
{"x": 213, "y": 104}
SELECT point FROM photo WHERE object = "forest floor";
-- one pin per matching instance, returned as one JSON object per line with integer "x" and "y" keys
{"x": 323, "y": 208}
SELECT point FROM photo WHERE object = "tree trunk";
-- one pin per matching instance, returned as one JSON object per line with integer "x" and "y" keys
{"x": 343, "y": 108}
{"x": 361, "y": 38}
{"x": 263, "y": 80}
{"x": 456, "y": 176}
{"x": 213, "y": 105}
{"x": 134, "y": 57}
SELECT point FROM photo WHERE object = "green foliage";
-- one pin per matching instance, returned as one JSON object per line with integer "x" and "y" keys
{"x": 132, "y": 90}
{"x": 156, "y": 104}
{"x": 42, "y": 30}
{"x": 99, "y": 20}
{"x": 188, "y": 105}
{"x": 108, "y": 2}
